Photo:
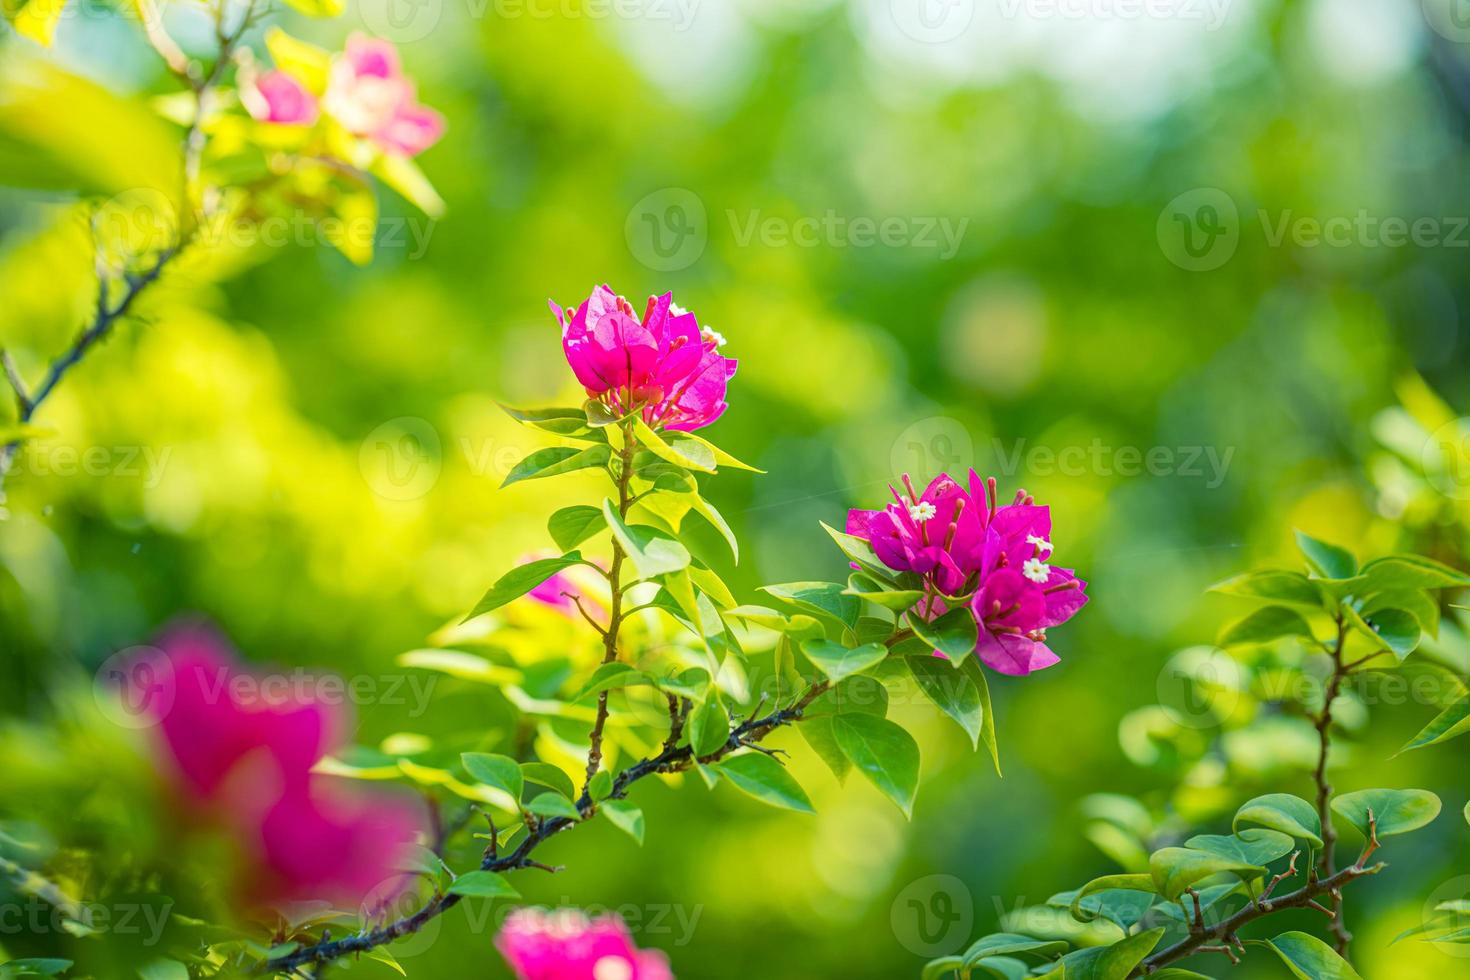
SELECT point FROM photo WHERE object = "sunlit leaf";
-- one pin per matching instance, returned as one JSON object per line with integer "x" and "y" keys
{"x": 520, "y": 580}
{"x": 1308, "y": 957}
{"x": 762, "y": 777}
{"x": 1289, "y": 814}
{"x": 1394, "y": 811}
{"x": 882, "y": 751}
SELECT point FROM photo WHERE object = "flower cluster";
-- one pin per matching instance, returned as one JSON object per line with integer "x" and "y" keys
{"x": 566, "y": 945}
{"x": 243, "y": 765}
{"x": 995, "y": 559}
{"x": 367, "y": 94}
{"x": 663, "y": 364}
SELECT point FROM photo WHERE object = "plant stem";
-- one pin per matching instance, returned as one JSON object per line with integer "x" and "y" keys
{"x": 615, "y": 617}
{"x": 1226, "y": 930}
{"x": 670, "y": 759}
{"x": 1323, "y": 722}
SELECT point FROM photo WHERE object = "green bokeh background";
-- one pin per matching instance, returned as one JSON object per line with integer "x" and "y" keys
{"x": 329, "y": 445}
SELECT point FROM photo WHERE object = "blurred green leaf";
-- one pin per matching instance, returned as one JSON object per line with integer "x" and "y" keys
{"x": 1113, "y": 962}
{"x": 1449, "y": 723}
{"x": 624, "y": 816}
{"x": 482, "y": 884}
{"x": 1266, "y": 625}
{"x": 1278, "y": 586}
{"x": 709, "y": 726}
{"x": 838, "y": 661}
{"x": 762, "y": 777}
{"x": 884, "y": 752}
{"x": 1328, "y": 560}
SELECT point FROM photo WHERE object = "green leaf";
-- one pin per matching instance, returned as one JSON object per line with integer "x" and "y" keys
{"x": 567, "y": 422}
{"x": 722, "y": 458}
{"x": 549, "y": 805}
{"x": 520, "y": 580}
{"x": 651, "y": 554}
{"x": 882, "y": 751}
{"x": 1416, "y": 602}
{"x": 823, "y": 599}
{"x": 1411, "y": 572}
{"x": 837, "y": 661}
{"x": 557, "y": 460}
{"x": 1308, "y": 957}
{"x": 1113, "y": 962}
{"x": 900, "y": 600}
{"x": 953, "y": 634}
{"x": 1281, "y": 811}
{"x": 401, "y": 173}
{"x": 482, "y": 884}
{"x": 976, "y": 672}
{"x": 1011, "y": 944}
{"x": 858, "y": 693}
{"x": 1328, "y": 560}
{"x": 1449, "y": 723}
{"x": 1265, "y": 625}
{"x": 1126, "y": 883}
{"x": 600, "y": 785}
{"x": 936, "y": 969}
{"x": 34, "y": 967}
{"x": 953, "y": 693}
{"x": 1253, "y": 846}
{"x": 762, "y": 777}
{"x": 608, "y": 677}
{"x": 171, "y": 969}
{"x": 709, "y": 726}
{"x": 1177, "y": 869}
{"x": 552, "y": 777}
{"x": 675, "y": 447}
{"x": 1395, "y": 631}
{"x": 456, "y": 663}
{"x": 499, "y": 771}
{"x": 1276, "y": 585}
{"x": 1396, "y": 811}
{"x": 861, "y": 553}
{"x": 570, "y": 526}
{"x": 624, "y": 816}
{"x": 717, "y": 521}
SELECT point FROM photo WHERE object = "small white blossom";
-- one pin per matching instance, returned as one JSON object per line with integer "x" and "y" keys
{"x": 676, "y": 309}
{"x": 922, "y": 511}
{"x": 1039, "y": 542}
{"x": 710, "y": 333}
{"x": 1036, "y": 570}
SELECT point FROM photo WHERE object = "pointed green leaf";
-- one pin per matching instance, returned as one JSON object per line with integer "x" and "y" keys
{"x": 624, "y": 816}
{"x": 1328, "y": 560}
{"x": 1284, "y": 812}
{"x": 709, "y": 726}
{"x": 1177, "y": 869}
{"x": 1012, "y": 944}
{"x": 1396, "y": 811}
{"x": 555, "y": 461}
{"x": 822, "y": 599}
{"x": 520, "y": 580}
{"x": 499, "y": 771}
{"x": 609, "y": 677}
{"x": 1394, "y": 631}
{"x": 767, "y": 780}
{"x": 482, "y": 884}
{"x": 1276, "y": 585}
{"x": 953, "y": 634}
{"x": 1114, "y": 962}
{"x": 675, "y": 447}
{"x": 552, "y": 777}
{"x": 838, "y": 662}
{"x": 1452, "y": 721}
{"x": 570, "y": 526}
{"x": 953, "y": 692}
{"x": 883, "y": 752}
{"x": 1121, "y": 883}
{"x": 1308, "y": 957}
{"x": 651, "y": 554}
{"x": 1412, "y": 572}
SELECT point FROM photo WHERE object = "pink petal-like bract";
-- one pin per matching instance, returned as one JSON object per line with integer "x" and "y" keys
{"x": 566, "y": 945}
{"x": 962, "y": 547}
{"x": 662, "y": 365}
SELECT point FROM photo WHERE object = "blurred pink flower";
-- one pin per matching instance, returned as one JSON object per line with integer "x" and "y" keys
{"x": 566, "y": 945}
{"x": 996, "y": 560}
{"x": 276, "y": 97}
{"x": 239, "y": 750}
{"x": 370, "y": 96}
{"x": 663, "y": 364}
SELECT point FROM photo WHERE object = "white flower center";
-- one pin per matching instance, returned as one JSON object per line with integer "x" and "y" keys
{"x": 1035, "y": 569}
{"x": 1039, "y": 542}
{"x": 922, "y": 511}
{"x": 612, "y": 968}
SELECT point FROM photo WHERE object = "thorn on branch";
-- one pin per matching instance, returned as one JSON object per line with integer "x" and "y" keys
{"x": 1276, "y": 880}
{"x": 1199, "y": 915}
{"x": 1372, "y": 844}
{"x": 1234, "y": 959}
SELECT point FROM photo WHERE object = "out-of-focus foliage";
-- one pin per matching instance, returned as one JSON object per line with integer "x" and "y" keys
{"x": 307, "y": 452}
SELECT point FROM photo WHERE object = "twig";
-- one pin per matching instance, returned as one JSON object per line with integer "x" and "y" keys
{"x": 1325, "y": 867}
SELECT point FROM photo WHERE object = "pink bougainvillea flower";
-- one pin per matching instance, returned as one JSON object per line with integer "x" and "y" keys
{"x": 238, "y": 751}
{"x": 559, "y": 590}
{"x": 663, "y": 364}
{"x": 368, "y": 93}
{"x": 276, "y": 97}
{"x": 995, "y": 559}
{"x": 566, "y": 945}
